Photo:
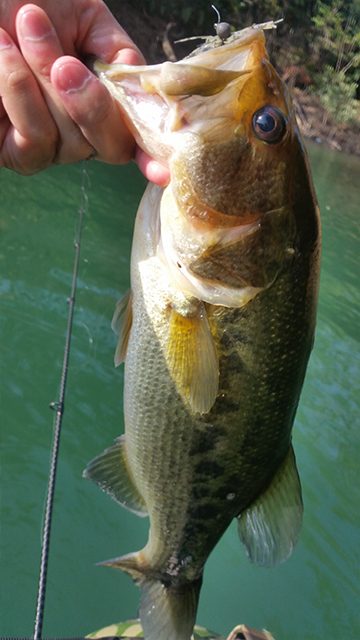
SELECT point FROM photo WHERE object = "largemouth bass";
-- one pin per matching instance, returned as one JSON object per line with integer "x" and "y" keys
{"x": 219, "y": 325}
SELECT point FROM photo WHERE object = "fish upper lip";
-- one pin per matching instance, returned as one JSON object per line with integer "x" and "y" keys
{"x": 216, "y": 57}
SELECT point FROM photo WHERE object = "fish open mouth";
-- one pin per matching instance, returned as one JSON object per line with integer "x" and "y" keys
{"x": 192, "y": 95}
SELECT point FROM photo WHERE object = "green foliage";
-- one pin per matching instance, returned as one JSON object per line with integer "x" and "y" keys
{"x": 337, "y": 35}
{"x": 336, "y": 48}
{"x": 337, "y": 93}
{"x": 323, "y": 35}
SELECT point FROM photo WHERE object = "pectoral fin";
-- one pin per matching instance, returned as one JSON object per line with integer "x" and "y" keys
{"x": 121, "y": 325}
{"x": 192, "y": 359}
{"x": 110, "y": 471}
{"x": 270, "y": 527}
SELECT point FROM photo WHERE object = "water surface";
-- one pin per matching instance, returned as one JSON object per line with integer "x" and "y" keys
{"x": 315, "y": 595}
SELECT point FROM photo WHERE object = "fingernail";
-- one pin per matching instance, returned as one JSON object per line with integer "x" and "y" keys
{"x": 129, "y": 56}
{"x": 72, "y": 77}
{"x": 34, "y": 27}
{"x": 5, "y": 40}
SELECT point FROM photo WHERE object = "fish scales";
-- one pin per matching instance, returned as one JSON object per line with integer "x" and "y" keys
{"x": 219, "y": 326}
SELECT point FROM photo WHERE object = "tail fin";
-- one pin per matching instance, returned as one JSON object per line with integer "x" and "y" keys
{"x": 167, "y": 612}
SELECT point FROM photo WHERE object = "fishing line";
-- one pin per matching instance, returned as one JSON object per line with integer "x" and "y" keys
{"x": 58, "y": 406}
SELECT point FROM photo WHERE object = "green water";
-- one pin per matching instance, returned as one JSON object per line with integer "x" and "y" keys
{"x": 315, "y": 595}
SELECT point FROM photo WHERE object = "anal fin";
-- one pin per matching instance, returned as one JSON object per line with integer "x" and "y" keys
{"x": 192, "y": 359}
{"x": 134, "y": 564}
{"x": 121, "y": 325}
{"x": 110, "y": 471}
{"x": 270, "y": 527}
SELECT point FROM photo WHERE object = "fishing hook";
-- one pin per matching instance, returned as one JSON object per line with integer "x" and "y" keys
{"x": 223, "y": 29}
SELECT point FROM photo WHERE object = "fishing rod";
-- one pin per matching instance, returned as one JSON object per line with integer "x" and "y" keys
{"x": 58, "y": 406}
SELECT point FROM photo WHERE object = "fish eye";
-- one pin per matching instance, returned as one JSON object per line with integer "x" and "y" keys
{"x": 269, "y": 124}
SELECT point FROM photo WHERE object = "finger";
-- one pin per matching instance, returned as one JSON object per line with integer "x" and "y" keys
{"x": 101, "y": 35}
{"x": 40, "y": 47}
{"x": 152, "y": 170}
{"x": 129, "y": 56}
{"x": 90, "y": 105}
{"x": 29, "y": 139}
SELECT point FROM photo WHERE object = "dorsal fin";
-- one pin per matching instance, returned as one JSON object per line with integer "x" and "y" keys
{"x": 110, "y": 471}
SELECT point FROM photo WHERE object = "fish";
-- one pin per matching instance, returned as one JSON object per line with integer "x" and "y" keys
{"x": 218, "y": 327}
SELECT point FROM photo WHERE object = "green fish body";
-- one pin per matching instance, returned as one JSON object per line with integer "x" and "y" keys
{"x": 219, "y": 325}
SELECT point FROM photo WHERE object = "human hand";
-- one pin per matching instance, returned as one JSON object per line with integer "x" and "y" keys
{"x": 53, "y": 109}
